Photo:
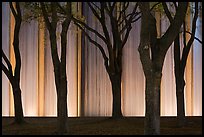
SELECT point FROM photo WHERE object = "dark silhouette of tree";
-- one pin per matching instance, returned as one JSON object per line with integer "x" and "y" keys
{"x": 51, "y": 17}
{"x": 152, "y": 52}
{"x": 180, "y": 62}
{"x": 120, "y": 23}
{"x": 15, "y": 78}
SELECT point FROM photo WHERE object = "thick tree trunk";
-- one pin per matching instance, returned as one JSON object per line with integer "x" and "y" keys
{"x": 180, "y": 102}
{"x": 19, "y": 117}
{"x": 116, "y": 92}
{"x": 152, "y": 98}
{"x": 62, "y": 112}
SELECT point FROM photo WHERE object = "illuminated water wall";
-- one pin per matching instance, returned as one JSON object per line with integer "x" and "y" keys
{"x": 89, "y": 88}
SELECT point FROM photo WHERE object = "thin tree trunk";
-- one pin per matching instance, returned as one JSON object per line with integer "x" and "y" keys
{"x": 59, "y": 64}
{"x": 152, "y": 98}
{"x": 15, "y": 80}
{"x": 19, "y": 117}
{"x": 180, "y": 103}
{"x": 180, "y": 83}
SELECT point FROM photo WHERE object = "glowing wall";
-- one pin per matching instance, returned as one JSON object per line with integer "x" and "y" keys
{"x": 89, "y": 88}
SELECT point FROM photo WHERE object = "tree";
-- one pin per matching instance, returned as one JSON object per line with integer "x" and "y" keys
{"x": 180, "y": 63}
{"x": 120, "y": 23}
{"x": 53, "y": 13}
{"x": 152, "y": 52}
{"x": 15, "y": 78}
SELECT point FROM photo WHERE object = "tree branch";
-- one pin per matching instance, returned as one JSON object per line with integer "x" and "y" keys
{"x": 13, "y": 10}
{"x": 184, "y": 34}
{"x": 94, "y": 11}
{"x": 105, "y": 31}
{"x": 167, "y": 12}
{"x": 17, "y": 27}
{"x": 122, "y": 12}
{"x": 173, "y": 30}
{"x": 90, "y": 29}
{"x": 126, "y": 36}
{"x": 7, "y": 62}
{"x": 7, "y": 73}
{"x": 94, "y": 42}
{"x": 95, "y": 5}
{"x": 18, "y": 9}
{"x": 195, "y": 37}
{"x": 190, "y": 42}
{"x": 65, "y": 26}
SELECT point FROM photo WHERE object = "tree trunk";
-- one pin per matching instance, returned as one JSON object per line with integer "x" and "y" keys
{"x": 62, "y": 112}
{"x": 180, "y": 102}
{"x": 116, "y": 93}
{"x": 19, "y": 117}
{"x": 152, "y": 98}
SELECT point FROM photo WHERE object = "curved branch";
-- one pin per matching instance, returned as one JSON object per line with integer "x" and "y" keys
{"x": 7, "y": 73}
{"x": 167, "y": 12}
{"x": 94, "y": 42}
{"x": 195, "y": 37}
{"x": 13, "y": 10}
{"x": 7, "y": 62}
{"x": 190, "y": 42}
{"x": 17, "y": 27}
{"x": 173, "y": 30}
{"x": 94, "y": 11}
{"x": 90, "y": 29}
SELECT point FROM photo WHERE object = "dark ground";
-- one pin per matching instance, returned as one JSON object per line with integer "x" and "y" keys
{"x": 99, "y": 126}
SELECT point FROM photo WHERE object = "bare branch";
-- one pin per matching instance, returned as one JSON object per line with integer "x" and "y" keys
{"x": 7, "y": 73}
{"x": 190, "y": 42}
{"x": 65, "y": 26}
{"x": 111, "y": 7}
{"x": 122, "y": 12}
{"x": 184, "y": 34}
{"x": 95, "y": 5}
{"x": 136, "y": 19}
{"x": 17, "y": 27}
{"x": 90, "y": 29}
{"x": 94, "y": 11}
{"x": 126, "y": 35}
{"x": 94, "y": 42}
{"x": 105, "y": 30}
{"x": 173, "y": 30}
{"x": 13, "y": 10}
{"x": 18, "y": 10}
{"x": 7, "y": 62}
{"x": 195, "y": 37}
{"x": 167, "y": 12}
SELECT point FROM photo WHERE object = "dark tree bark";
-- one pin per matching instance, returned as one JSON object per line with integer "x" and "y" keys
{"x": 180, "y": 63}
{"x": 152, "y": 54}
{"x": 59, "y": 64}
{"x": 15, "y": 78}
{"x": 180, "y": 83}
{"x": 115, "y": 78}
{"x": 120, "y": 33}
